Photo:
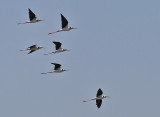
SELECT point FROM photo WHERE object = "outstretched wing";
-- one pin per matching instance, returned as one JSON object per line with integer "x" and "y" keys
{"x": 33, "y": 46}
{"x": 99, "y": 92}
{"x": 64, "y": 21}
{"x": 58, "y": 44}
{"x": 31, "y": 15}
{"x": 31, "y": 51}
{"x": 98, "y": 103}
{"x": 57, "y": 66}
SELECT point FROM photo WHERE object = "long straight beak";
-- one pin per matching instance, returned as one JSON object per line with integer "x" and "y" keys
{"x": 41, "y": 20}
{"x": 42, "y": 48}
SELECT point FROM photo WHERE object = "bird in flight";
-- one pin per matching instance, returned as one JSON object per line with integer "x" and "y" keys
{"x": 64, "y": 25}
{"x": 57, "y": 69}
{"x": 32, "y": 17}
{"x": 58, "y": 48}
{"x": 32, "y": 48}
{"x": 98, "y": 98}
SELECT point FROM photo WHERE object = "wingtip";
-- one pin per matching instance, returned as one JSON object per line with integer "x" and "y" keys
{"x": 53, "y": 63}
{"x": 61, "y": 14}
{"x": 100, "y": 89}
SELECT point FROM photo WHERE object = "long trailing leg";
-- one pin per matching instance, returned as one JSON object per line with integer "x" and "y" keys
{"x": 47, "y": 72}
{"x": 24, "y": 50}
{"x": 22, "y": 23}
{"x": 49, "y": 53}
{"x": 89, "y": 100}
{"x": 53, "y": 32}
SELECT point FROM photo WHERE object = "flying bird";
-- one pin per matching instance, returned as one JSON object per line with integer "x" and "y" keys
{"x": 32, "y": 48}
{"x": 57, "y": 69}
{"x": 32, "y": 17}
{"x": 58, "y": 48}
{"x": 64, "y": 25}
{"x": 98, "y": 98}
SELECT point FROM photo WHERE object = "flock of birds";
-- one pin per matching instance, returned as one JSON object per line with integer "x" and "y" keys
{"x": 58, "y": 49}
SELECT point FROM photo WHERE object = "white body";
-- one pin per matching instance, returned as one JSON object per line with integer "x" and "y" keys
{"x": 59, "y": 70}
{"x": 35, "y": 48}
{"x": 65, "y": 29}
{"x": 99, "y": 97}
{"x": 60, "y": 50}
{"x": 32, "y": 21}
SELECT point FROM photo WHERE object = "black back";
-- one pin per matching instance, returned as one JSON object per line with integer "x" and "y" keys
{"x": 31, "y": 47}
{"x": 57, "y": 66}
{"x": 64, "y": 21}
{"x": 31, "y": 15}
{"x": 58, "y": 44}
{"x": 99, "y": 92}
{"x": 98, "y": 103}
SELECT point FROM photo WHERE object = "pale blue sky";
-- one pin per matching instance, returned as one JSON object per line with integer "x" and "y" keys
{"x": 115, "y": 48}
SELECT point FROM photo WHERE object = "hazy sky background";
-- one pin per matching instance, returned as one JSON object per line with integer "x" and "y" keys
{"x": 115, "y": 48}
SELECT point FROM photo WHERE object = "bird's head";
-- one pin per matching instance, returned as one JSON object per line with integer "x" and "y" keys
{"x": 64, "y": 70}
{"x": 38, "y": 20}
{"x": 66, "y": 50}
{"x": 40, "y": 47}
{"x": 72, "y": 28}
{"x": 105, "y": 96}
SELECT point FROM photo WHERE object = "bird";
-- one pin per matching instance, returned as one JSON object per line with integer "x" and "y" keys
{"x": 32, "y": 48}
{"x": 32, "y": 17}
{"x": 64, "y": 25}
{"x": 57, "y": 69}
{"x": 98, "y": 98}
{"x": 58, "y": 48}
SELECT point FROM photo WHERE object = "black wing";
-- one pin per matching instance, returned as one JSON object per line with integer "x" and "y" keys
{"x": 57, "y": 66}
{"x": 99, "y": 92}
{"x": 33, "y": 46}
{"x": 64, "y": 21}
{"x": 31, "y": 15}
{"x": 58, "y": 44}
{"x": 98, "y": 103}
{"x": 31, "y": 51}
